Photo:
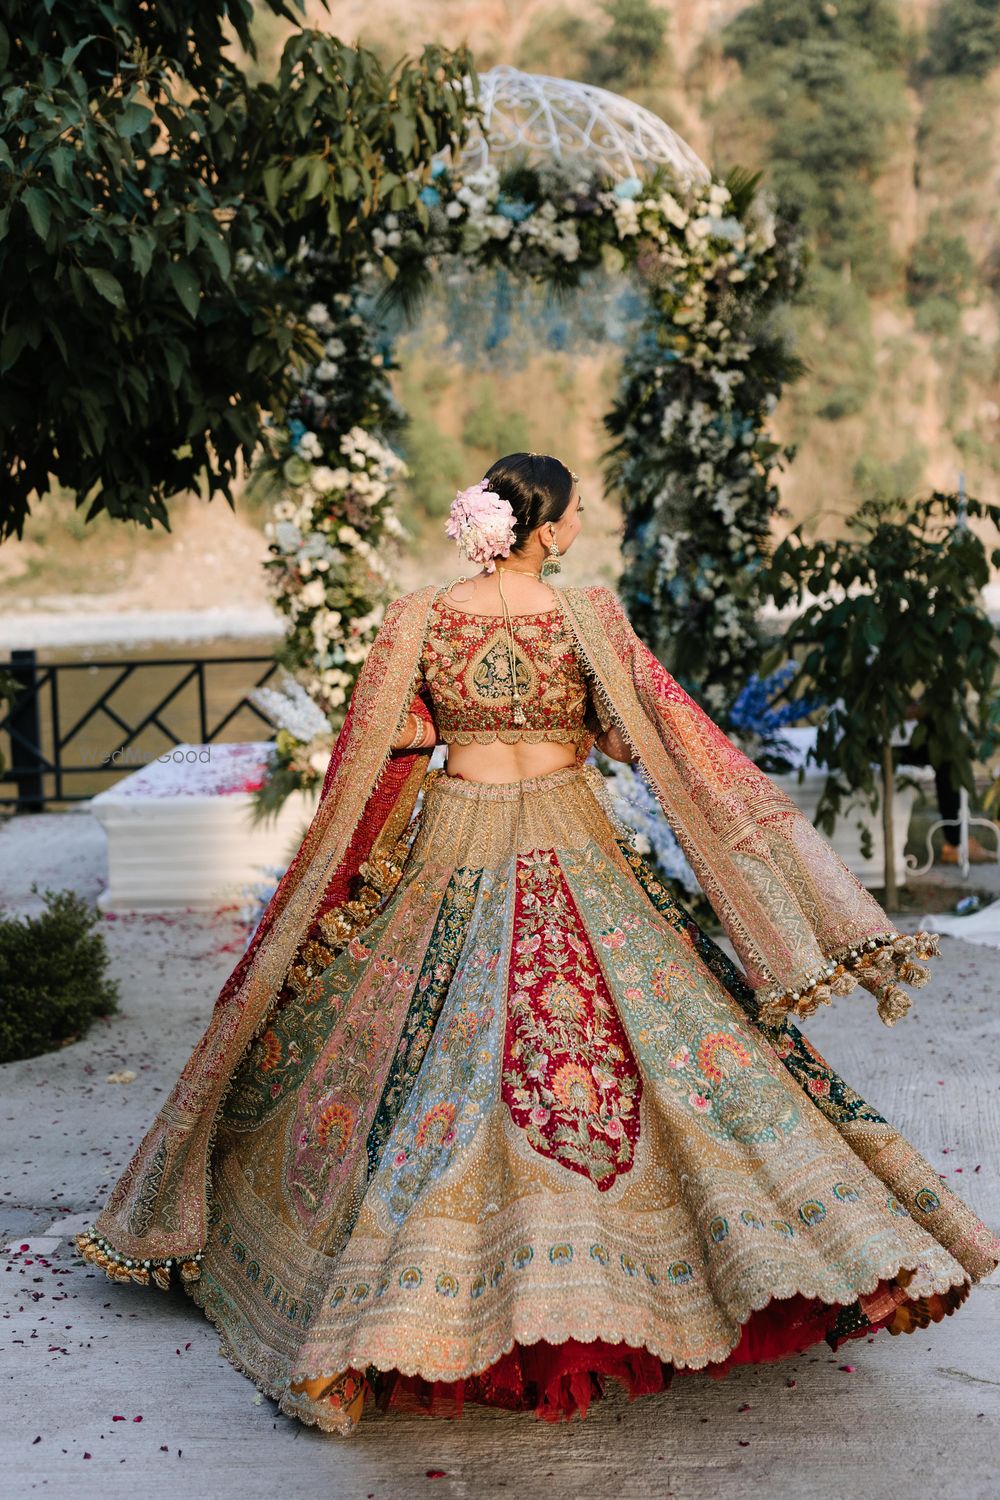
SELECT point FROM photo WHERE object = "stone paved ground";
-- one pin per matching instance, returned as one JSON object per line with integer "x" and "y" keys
{"x": 919, "y": 1415}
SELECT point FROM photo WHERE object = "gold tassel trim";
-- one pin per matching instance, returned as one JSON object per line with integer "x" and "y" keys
{"x": 379, "y": 877}
{"x": 881, "y": 965}
{"x": 122, "y": 1268}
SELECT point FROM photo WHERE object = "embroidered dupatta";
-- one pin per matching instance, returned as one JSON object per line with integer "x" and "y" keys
{"x": 803, "y": 927}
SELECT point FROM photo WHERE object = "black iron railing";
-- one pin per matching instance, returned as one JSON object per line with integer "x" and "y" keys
{"x": 40, "y": 747}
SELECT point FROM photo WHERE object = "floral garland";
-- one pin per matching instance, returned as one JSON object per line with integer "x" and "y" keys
{"x": 330, "y": 533}
{"x": 691, "y": 459}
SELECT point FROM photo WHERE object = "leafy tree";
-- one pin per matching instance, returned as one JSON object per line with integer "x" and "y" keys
{"x": 631, "y": 48}
{"x": 152, "y": 205}
{"x": 754, "y": 35}
{"x": 897, "y": 617}
{"x": 964, "y": 38}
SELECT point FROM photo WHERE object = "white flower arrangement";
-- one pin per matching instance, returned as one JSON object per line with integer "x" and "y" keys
{"x": 291, "y": 708}
{"x": 638, "y": 808}
{"x": 690, "y": 443}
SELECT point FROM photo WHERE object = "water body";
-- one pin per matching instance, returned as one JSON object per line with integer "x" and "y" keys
{"x": 102, "y": 747}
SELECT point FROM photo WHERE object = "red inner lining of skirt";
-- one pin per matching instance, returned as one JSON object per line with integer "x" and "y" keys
{"x": 560, "y": 1380}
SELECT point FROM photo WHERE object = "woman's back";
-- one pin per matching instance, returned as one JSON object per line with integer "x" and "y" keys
{"x": 470, "y": 663}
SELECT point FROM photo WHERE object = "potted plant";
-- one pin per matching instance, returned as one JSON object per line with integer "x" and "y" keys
{"x": 895, "y": 617}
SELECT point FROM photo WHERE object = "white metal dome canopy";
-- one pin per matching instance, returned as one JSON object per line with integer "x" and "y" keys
{"x": 535, "y": 115}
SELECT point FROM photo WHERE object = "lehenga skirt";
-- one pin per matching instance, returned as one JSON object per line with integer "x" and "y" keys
{"x": 525, "y": 1134}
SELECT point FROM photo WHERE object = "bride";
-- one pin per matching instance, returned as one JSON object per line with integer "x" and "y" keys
{"x": 482, "y": 1113}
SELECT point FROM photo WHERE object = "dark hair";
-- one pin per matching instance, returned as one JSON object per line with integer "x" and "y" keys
{"x": 537, "y": 487}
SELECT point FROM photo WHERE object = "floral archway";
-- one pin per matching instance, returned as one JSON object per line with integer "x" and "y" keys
{"x": 557, "y": 178}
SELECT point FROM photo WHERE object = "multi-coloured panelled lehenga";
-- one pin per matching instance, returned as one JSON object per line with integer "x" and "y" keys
{"x": 483, "y": 1114}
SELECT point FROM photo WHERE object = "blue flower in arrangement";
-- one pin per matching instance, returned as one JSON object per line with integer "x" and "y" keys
{"x": 430, "y": 196}
{"x": 752, "y": 710}
{"x": 438, "y": 168}
{"x": 296, "y": 432}
{"x": 726, "y": 229}
{"x": 514, "y": 208}
{"x": 629, "y": 187}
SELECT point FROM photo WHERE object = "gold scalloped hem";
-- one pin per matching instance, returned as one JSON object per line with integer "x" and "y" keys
{"x": 342, "y": 1407}
{"x": 881, "y": 964}
{"x": 510, "y": 736}
{"x": 143, "y": 1272}
{"x": 340, "y": 1420}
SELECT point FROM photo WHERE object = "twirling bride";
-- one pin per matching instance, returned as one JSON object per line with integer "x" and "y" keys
{"x": 481, "y": 1112}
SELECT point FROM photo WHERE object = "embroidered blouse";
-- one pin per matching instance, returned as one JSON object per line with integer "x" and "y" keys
{"x": 465, "y": 664}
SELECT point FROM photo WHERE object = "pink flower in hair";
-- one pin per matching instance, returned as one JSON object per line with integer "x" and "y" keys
{"x": 482, "y": 523}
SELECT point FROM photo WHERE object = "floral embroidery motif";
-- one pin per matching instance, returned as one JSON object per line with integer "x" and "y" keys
{"x": 672, "y": 1017}
{"x": 456, "y": 1080}
{"x": 333, "y": 1128}
{"x": 466, "y": 670}
{"x": 436, "y": 974}
{"x": 570, "y": 1080}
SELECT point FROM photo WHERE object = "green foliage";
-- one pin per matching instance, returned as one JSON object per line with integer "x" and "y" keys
{"x": 150, "y": 202}
{"x": 633, "y": 46}
{"x": 881, "y": 479}
{"x": 53, "y": 979}
{"x": 831, "y": 106}
{"x": 955, "y": 135}
{"x": 772, "y": 25}
{"x": 560, "y": 41}
{"x": 492, "y": 430}
{"x": 941, "y": 264}
{"x": 901, "y": 619}
{"x": 842, "y": 348}
{"x": 939, "y": 316}
{"x": 964, "y": 37}
{"x": 434, "y": 459}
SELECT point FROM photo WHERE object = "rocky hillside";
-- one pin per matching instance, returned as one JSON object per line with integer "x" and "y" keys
{"x": 894, "y": 154}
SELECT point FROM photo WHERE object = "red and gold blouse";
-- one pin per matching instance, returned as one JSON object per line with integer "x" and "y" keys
{"x": 466, "y": 677}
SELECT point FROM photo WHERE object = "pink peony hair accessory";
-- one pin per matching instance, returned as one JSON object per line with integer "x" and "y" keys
{"x": 482, "y": 523}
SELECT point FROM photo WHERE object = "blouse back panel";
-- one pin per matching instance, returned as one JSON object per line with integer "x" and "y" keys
{"x": 466, "y": 668}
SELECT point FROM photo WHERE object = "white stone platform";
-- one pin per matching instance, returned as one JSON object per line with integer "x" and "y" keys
{"x": 180, "y": 831}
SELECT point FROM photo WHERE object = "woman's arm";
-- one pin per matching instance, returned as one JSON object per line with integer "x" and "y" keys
{"x": 606, "y": 735}
{"x": 611, "y": 744}
{"x": 409, "y": 738}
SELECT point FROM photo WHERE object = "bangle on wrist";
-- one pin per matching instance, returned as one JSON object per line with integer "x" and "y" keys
{"x": 418, "y": 737}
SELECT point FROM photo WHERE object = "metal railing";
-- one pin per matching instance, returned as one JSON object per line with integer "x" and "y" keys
{"x": 41, "y": 746}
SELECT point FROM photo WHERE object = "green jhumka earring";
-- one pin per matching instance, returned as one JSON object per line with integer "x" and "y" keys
{"x": 551, "y": 564}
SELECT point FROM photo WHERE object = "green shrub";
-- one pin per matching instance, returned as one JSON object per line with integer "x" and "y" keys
{"x": 557, "y": 41}
{"x": 759, "y": 30}
{"x": 53, "y": 982}
{"x": 883, "y": 478}
{"x": 938, "y": 316}
{"x": 631, "y": 48}
{"x": 492, "y": 429}
{"x": 941, "y": 264}
{"x": 964, "y": 38}
{"x": 840, "y": 349}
